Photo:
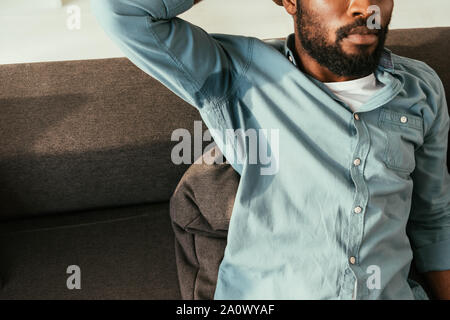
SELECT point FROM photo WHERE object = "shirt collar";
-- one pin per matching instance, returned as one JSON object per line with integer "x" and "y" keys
{"x": 386, "y": 61}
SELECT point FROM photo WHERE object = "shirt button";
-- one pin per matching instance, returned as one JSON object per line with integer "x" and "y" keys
{"x": 358, "y": 210}
{"x": 356, "y": 116}
{"x": 357, "y": 162}
{"x": 404, "y": 119}
{"x": 352, "y": 260}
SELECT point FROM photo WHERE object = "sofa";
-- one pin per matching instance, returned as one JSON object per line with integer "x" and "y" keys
{"x": 86, "y": 174}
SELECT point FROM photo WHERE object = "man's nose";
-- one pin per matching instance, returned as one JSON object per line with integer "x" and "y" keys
{"x": 358, "y": 8}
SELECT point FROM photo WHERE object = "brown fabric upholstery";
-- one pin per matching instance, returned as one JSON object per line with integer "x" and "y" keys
{"x": 80, "y": 135}
{"x": 205, "y": 192}
{"x": 123, "y": 253}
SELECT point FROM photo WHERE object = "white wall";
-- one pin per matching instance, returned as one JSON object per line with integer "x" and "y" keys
{"x": 35, "y": 30}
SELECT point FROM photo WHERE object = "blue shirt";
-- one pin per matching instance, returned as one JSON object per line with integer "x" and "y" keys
{"x": 347, "y": 199}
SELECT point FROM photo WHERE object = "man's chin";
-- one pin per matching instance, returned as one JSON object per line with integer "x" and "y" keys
{"x": 355, "y": 50}
{"x": 355, "y": 64}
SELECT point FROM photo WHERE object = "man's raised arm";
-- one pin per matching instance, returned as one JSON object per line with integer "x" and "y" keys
{"x": 198, "y": 67}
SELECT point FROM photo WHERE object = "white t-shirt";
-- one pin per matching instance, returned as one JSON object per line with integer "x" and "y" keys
{"x": 355, "y": 92}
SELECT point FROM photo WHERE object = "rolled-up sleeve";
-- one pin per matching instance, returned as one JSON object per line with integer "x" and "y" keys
{"x": 429, "y": 223}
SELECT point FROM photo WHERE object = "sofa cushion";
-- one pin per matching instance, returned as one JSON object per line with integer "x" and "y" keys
{"x": 124, "y": 253}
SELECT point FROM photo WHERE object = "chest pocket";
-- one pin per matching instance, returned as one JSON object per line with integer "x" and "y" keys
{"x": 404, "y": 134}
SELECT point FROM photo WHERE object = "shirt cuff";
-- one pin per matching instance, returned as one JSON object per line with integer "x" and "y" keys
{"x": 433, "y": 257}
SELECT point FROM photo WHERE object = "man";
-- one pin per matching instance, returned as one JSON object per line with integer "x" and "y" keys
{"x": 356, "y": 183}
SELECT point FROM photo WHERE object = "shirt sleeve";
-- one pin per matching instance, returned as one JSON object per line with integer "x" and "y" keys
{"x": 200, "y": 68}
{"x": 429, "y": 223}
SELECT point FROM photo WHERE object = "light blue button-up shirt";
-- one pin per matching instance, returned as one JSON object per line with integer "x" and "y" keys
{"x": 347, "y": 199}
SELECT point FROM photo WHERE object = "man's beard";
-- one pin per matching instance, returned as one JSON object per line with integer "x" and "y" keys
{"x": 313, "y": 37}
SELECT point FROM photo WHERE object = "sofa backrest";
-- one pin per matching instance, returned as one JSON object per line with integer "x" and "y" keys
{"x": 80, "y": 135}
{"x": 430, "y": 45}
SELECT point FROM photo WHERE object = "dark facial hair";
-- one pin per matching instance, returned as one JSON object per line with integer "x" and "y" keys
{"x": 314, "y": 39}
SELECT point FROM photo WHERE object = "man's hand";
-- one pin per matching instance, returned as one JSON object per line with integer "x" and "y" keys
{"x": 439, "y": 283}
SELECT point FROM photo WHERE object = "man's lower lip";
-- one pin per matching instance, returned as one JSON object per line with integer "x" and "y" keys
{"x": 363, "y": 39}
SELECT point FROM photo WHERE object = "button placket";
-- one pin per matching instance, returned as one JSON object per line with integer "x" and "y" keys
{"x": 349, "y": 284}
{"x": 356, "y": 218}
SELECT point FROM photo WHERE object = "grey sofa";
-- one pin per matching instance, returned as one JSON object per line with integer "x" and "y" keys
{"x": 86, "y": 174}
